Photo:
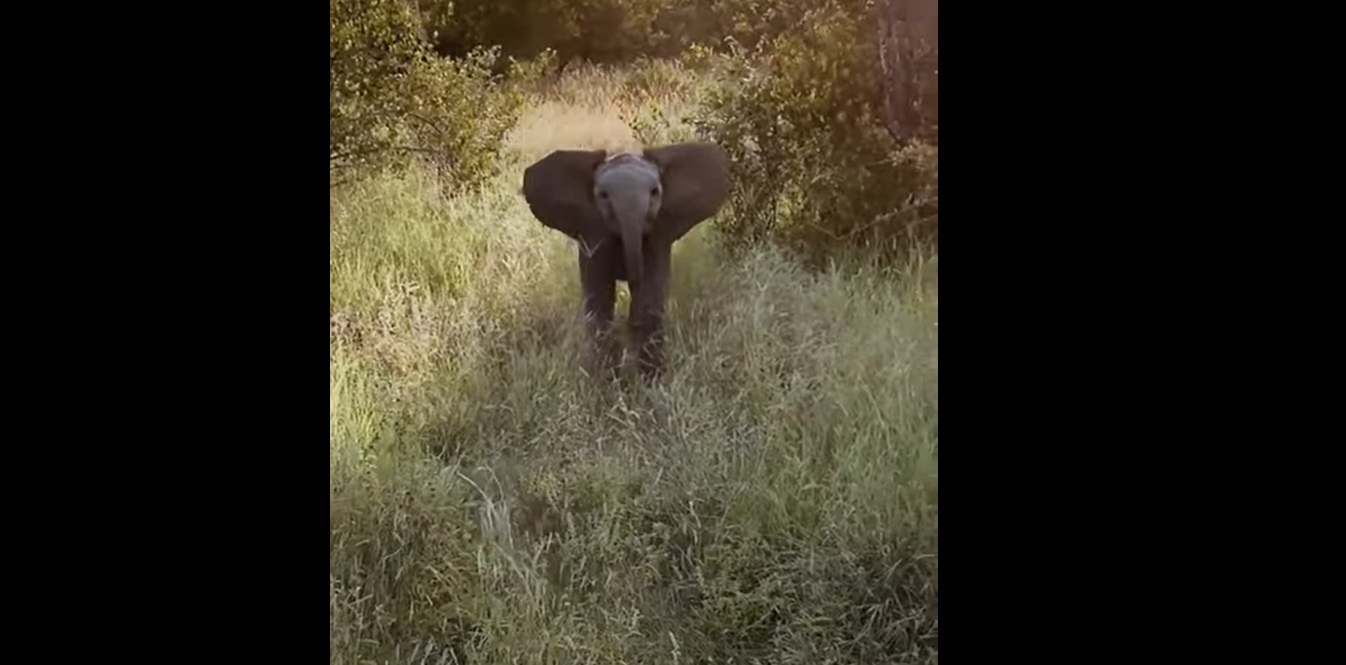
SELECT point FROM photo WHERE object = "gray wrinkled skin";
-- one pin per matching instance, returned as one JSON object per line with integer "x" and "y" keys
{"x": 625, "y": 212}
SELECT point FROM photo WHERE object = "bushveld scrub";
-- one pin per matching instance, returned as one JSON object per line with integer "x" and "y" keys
{"x": 390, "y": 98}
{"x": 772, "y": 499}
{"x": 833, "y": 146}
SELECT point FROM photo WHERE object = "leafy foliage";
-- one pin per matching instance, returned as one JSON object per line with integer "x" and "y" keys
{"x": 595, "y": 30}
{"x": 604, "y": 31}
{"x": 390, "y": 96}
{"x": 833, "y": 150}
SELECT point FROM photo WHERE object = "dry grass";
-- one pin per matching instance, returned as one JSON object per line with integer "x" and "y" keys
{"x": 609, "y": 109}
{"x": 772, "y": 500}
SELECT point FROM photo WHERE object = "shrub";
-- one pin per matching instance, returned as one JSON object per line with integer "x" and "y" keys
{"x": 604, "y": 31}
{"x": 593, "y": 30}
{"x": 833, "y": 133}
{"x": 390, "y": 97}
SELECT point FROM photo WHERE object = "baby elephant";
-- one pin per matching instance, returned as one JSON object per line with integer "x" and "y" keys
{"x": 626, "y": 211}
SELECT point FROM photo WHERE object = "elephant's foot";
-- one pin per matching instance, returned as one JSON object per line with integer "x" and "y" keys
{"x": 604, "y": 358}
{"x": 650, "y": 357}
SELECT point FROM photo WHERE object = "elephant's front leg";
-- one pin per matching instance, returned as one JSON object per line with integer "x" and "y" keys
{"x": 647, "y": 310}
{"x": 598, "y": 282}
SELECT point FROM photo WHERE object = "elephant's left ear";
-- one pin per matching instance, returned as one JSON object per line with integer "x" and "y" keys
{"x": 696, "y": 183}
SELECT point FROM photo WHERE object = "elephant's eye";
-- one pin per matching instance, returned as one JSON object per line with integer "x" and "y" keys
{"x": 654, "y": 192}
{"x": 602, "y": 195}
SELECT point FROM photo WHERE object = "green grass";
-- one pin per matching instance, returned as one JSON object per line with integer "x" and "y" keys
{"x": 773, "y": 499}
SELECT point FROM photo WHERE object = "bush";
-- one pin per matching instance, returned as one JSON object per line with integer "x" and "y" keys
{"x": 833, "y": 134}
{"x": 390, "y": 97}
{"x": 593, "y": 30}
{"x": 604, "y": 31}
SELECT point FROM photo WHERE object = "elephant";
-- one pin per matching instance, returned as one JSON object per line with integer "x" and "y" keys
{"x": 625, "y": 211}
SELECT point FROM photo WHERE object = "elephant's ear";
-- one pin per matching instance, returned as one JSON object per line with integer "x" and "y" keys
{"x": 696, "y": 183}
{"x": 559, "y": 190}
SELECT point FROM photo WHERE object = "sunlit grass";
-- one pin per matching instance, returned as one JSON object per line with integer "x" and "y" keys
{"x": 773, "y": 497}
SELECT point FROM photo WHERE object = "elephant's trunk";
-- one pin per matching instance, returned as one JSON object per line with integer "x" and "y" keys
{"x": 631, "y": 237}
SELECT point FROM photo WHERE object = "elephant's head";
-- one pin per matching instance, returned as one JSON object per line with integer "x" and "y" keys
{"x": 653, "y": 197}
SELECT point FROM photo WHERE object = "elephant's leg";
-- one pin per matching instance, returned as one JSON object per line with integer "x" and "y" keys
{"x": 600, "y": 296}
{"x": 647, "y": 310}
{"x": 599, "y": 284}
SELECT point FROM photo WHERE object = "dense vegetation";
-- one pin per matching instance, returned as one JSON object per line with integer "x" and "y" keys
{"x": 774, "y": 498}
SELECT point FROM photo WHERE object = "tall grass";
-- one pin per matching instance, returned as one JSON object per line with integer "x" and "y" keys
{"x": 772, "y": 499}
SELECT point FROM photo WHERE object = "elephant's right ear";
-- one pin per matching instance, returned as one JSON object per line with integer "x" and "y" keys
{"x": 559, "y": 190}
